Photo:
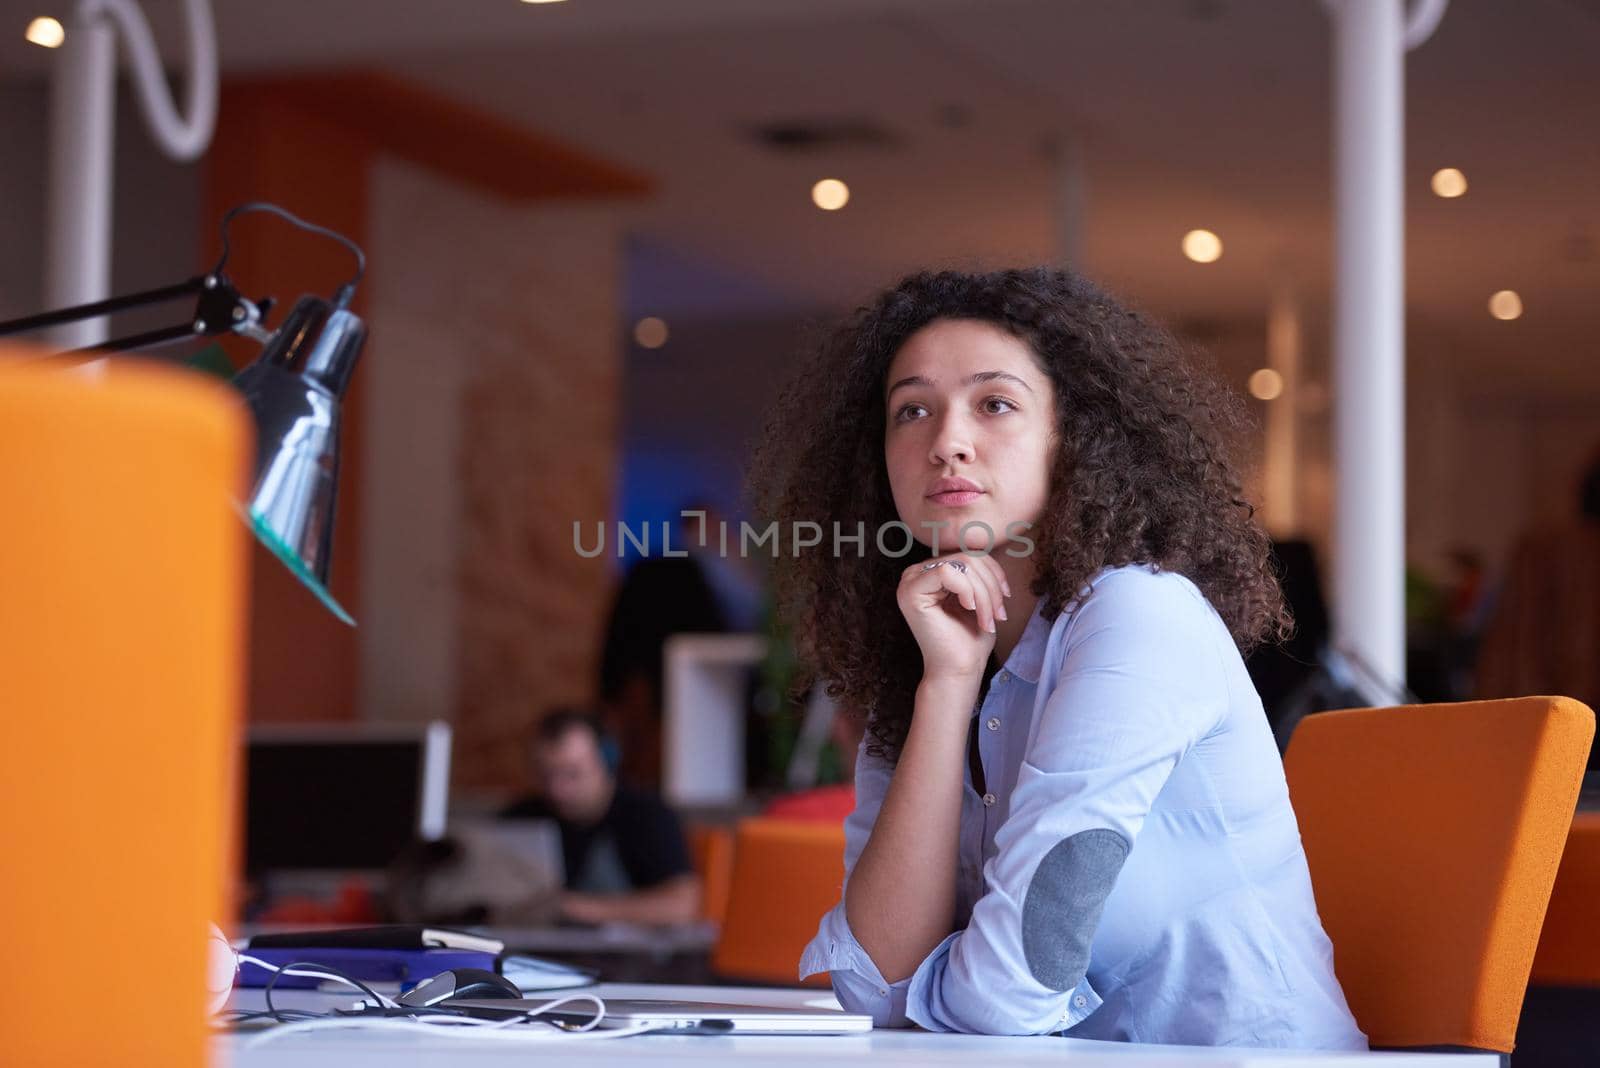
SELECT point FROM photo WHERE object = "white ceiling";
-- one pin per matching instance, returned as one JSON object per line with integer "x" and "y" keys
{"x": 1187, "y": 113}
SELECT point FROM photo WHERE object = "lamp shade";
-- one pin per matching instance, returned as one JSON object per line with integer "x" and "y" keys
{"x": 295, "y": 390}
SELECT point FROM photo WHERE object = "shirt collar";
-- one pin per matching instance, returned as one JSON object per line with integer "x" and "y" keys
{"x": 1028, "y": 656}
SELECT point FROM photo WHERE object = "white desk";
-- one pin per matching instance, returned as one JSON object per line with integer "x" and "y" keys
{"x": 354, "y": 1049}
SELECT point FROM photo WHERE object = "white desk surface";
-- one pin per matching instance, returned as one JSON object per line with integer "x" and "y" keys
{"x": 354, "y": 1049}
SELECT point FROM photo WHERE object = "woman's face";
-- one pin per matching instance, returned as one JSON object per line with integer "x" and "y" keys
{"x": 969, "y": 433}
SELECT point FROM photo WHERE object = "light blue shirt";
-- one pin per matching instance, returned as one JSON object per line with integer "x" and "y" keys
{"x": 1134, "y": 871}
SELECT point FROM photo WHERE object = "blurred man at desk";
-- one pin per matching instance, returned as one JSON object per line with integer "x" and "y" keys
{"x": 624, "y": 850}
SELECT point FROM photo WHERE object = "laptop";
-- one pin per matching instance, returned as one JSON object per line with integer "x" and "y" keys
{"x": 682, "y": 1017}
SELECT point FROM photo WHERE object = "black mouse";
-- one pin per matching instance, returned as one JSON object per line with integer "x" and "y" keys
{"x": 459, "y": 983}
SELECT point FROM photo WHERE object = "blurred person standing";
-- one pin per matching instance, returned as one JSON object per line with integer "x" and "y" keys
{"x": 659, "y": 596}
{"x": 1543, "y": 634}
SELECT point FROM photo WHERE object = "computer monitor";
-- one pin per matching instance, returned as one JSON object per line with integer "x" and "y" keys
{"x": 342, "y": 796}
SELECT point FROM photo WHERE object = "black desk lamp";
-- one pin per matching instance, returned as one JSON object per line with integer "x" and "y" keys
{"x": 295, "y": 390}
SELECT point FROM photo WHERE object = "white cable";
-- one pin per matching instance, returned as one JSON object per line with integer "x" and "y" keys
{"x": 183, "y": 139}
{"x": 1424, "y": 19}
{"x": 529, "y": 1014}
{"x": 1421, "y": 21}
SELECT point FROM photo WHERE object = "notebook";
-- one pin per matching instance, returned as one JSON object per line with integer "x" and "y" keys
{"x": 408, "y": 967}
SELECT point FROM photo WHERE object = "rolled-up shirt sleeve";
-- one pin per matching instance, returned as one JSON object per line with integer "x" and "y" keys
{"x": 1135, "y": 685}
{"x": 857, "y": 982}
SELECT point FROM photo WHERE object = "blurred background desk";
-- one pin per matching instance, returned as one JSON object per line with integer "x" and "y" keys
{"x": 352, "y": 1049}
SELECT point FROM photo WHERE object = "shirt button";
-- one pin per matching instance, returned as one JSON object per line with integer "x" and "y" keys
{"x": 882, "y": 993}
{"x": 988, "y": 799}
{"x": 1080, "y": 1001}
{"x": 994, "y": 723}
{"x": 1001, "y": 677}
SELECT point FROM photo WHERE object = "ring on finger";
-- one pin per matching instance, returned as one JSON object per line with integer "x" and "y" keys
{"x": 931, "y": 564}
{"x": 959, "y": 566}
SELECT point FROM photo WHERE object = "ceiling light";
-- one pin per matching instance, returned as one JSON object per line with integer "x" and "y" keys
{"x": 1505, "y": 305}
{"x": 1266, "y": 384}
{"x": 46, "y": 32}
{"x": 650, "y": 332}
{"x": 1202, "y": 246}
{"x": 830, "y": 194}
{"x": 1449, "y": 183}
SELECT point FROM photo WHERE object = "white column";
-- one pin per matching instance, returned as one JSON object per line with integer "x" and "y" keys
{"x": 1280, "y": 490}
{"x": 83, "y": 103}
{"x": 78, "y": 206}
{"x": 1368, "y": 333}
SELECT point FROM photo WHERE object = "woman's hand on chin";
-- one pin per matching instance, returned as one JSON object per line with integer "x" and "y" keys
{"x": 951, "y": 603}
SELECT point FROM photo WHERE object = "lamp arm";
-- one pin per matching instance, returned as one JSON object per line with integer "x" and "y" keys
{"x": 221, "y": 309}
{"x": 94, "y": 310}
{"x": 182, "y": 138}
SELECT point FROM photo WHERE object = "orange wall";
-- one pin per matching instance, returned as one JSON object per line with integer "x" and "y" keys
{"x": 308, "y": 144}
{"x": 302, "y": 659}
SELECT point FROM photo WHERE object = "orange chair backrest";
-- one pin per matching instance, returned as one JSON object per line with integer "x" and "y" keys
{"x": 1433, "y": 834}
{"x": 122, "y": 596}
{"x": 1569, "y": 943}
{"x": 711, "y": 848}
{"x": 785, "y": 876}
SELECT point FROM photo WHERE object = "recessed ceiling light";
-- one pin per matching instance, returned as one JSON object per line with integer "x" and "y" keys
{"x": 830, "y": 194}
{"x": 1449, "y": 183}
{"x": 650, "y": 332}
{"x": 1505, "y": 305}
{"x": 46, "y": 32}
{"x": 1266, "y": 384}
{"x": 1202, "y": 246}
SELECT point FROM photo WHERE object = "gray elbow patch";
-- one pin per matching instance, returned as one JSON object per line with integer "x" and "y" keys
{"x": 1064, "y": 902}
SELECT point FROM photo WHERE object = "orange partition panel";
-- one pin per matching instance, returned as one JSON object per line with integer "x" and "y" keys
{"x": 785, "y": 876}
{"x": 712, "y": 850}
{"x": 122, "y": 593}
{"x": 1569, "y": 944}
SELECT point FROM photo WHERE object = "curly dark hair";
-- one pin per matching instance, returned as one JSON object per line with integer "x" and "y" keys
{"x": 1142, "y": 474}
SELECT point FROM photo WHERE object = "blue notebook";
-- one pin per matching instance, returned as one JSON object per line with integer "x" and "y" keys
{"x": 403, "y": 966}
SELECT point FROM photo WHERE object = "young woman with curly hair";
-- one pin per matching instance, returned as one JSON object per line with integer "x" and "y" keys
{"x": 1070, "y": 812}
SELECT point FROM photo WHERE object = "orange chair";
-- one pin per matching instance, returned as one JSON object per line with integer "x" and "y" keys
{"x": 122, "y": 596}
{"x": 1569, "y": 945}
{"x": 785, "y": 876}
{"x": 1433, "y": 834}
{"x": 711, "y": 848}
